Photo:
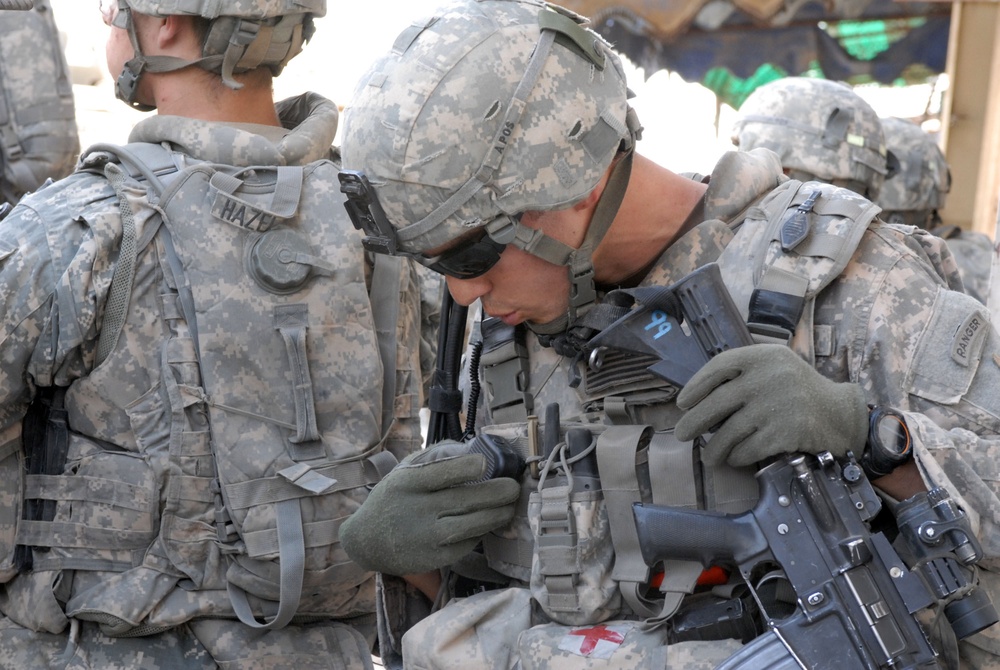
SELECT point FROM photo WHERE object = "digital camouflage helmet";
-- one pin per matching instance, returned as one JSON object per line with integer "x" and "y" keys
{"x": 242, "y": 36}
{"x": 820, "y": 129}
{"x": 490, "y": 109}
{"x": 919, "y": 188}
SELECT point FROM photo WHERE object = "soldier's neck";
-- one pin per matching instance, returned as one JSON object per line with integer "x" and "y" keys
{"x": 651, "y": 217}
{"x": 201, "y": 95}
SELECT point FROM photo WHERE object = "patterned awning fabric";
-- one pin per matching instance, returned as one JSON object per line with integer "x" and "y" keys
{"x": 667, "y": 18}
{"x": 695, "y": 37}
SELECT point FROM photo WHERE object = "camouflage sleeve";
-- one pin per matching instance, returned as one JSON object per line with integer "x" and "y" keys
{"x": 56, "y": 264}
{"x": 974, "y": 254}
{"x": 942, "y": 258}
{"x": 399, "y": 607}
{"x": 27, "y": 288}
{"x": 930, "y": 351}
{"x": 915, "y": 344}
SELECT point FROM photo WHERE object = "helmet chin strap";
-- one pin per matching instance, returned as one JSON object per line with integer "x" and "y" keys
{"x": 579, "y": 265}
{"x": 243, "y": 45}
{"x": 127, "y": 84}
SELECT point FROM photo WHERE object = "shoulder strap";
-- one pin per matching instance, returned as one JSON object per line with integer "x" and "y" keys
{"x": 121, "y": 281}
{"x": 801, "y": 238}
{"x": 143, "y": 160}
{"x": 506, "y": 371}
{"x": 619, "y": 451}
{"x": 385, "y": 296}
{"x": 150, "y": 162}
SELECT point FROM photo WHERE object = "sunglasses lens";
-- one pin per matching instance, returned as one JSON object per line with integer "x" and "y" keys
{"x": 469, "y": 262}
{"x": 476, "y": 256}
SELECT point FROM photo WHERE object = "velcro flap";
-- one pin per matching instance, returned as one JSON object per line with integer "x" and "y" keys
{"x": 306, "y": 478}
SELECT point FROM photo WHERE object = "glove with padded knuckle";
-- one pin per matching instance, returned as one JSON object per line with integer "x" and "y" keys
{"x": 428, "y": 512}
{"x": 764, "y": 400}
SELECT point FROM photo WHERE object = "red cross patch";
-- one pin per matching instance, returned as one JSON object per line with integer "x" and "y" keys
{"x": 599, "y": 641}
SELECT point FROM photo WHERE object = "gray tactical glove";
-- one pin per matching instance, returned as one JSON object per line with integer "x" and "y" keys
{"x": 426, "y": 514}
{"x": 764, "y": 400}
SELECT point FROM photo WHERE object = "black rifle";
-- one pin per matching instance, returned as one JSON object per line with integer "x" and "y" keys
{"x": 855, "y": 598}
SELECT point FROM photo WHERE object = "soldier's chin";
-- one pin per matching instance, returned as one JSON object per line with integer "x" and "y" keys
{"x": 553, "y": 327}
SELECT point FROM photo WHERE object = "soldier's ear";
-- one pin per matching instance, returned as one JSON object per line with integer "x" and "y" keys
{"x": 892, "y": 165}
{"x": 176, "y": 35}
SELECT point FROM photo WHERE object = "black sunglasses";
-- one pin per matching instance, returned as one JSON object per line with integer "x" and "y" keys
{"x": 467, "y": 260}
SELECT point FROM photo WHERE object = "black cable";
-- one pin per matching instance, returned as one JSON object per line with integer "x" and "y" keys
{"x": 475, "y": 388}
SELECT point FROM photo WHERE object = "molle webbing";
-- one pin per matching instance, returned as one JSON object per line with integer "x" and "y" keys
{"x": 625, "y": 455}
{"x": 804, "y": 223}
{"x": 290, "y": 484}
{"x": 621, "y": 452}
{"x": 557, "y": 543}
{"x": 80, "y": 535}
{"x": 506, "y": 372}
{"x": 252, "y": 311}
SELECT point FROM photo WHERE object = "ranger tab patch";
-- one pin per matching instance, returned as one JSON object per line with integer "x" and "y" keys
{"x": 964, "y": 347}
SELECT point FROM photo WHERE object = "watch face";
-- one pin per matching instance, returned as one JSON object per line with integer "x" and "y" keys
{"x": 892, "y": 434}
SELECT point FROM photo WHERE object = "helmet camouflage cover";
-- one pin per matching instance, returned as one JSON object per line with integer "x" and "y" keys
{"x": 460, "y": 124}
{"x": 820, "y": 129}
{"x": 243, "y": 35}
{"x": 923, "y": 180}
{"x": 244, "y": 9}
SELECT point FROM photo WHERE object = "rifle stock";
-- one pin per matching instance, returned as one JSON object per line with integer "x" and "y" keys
{"x": 679, "y": 327}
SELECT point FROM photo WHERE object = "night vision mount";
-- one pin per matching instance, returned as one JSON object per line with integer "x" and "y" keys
{"x": 366, "y": 213}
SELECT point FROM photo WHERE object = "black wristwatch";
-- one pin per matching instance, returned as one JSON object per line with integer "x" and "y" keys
{"x": 888, "y": 445}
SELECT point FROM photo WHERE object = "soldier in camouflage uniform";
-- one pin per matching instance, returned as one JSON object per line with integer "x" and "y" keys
{"x": 129, "y": 570}
{"x": 37, "y": 114}
{"x": 820, "y": 129}
{"x": 499, "y": 143}
{"x": 916, "y": 193}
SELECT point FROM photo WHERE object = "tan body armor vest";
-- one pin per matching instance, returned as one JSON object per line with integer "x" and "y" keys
{"x": 786, "y": 248}
{"x": 236, "y": 413}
